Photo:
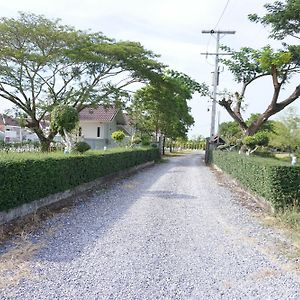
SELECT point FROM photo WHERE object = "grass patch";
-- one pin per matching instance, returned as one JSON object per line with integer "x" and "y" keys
{"x": 288, "y": 221}
{"x": 290, "y": 217}
{"x": 15, "y": 263}
{"x": 177, "y": 153}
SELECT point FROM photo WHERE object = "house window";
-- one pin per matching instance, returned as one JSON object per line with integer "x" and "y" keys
{"x": 98, "y": 131}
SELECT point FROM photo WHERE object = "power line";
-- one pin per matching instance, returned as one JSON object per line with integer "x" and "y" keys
{"x": 222, "y": 14}
{"x": 216, "y": 75}
{"x": 214, "y": 28}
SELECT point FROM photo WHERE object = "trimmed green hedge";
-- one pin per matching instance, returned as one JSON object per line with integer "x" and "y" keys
{"x": 276, "y": 181}
{"x": 25, "y": 178}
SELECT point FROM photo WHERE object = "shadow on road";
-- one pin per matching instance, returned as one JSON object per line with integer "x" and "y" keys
{"x": 68, "y": 234}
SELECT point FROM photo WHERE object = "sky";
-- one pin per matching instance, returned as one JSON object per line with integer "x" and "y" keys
{"x": 172, "y": 29}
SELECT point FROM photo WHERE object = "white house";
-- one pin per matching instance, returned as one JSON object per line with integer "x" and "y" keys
{"x": 10, "y": 129}
{"x": 97, "y": 124}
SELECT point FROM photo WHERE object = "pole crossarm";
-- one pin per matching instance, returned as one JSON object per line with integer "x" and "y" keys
{"x": 216, "y": 76}
{"x": 209, "y": 53}
{"x": 219, "y": 31}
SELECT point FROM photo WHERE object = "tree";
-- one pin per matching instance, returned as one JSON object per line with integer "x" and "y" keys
{"x": 256, "y": 140}
{"x": 249, "y": 65}
{"x": 286, "y": 133}
{"x": 162, "y": 108}
{"x": 230, "y": 132}
{"x": 44, "y": 64}
{"x": 64, "y": 120}
{"x": 283, "y": 17}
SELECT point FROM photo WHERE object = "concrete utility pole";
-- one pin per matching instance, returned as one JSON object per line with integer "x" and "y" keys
{"x": 216, "y": 76}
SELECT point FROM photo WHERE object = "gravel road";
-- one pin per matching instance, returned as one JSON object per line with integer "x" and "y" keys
{"x": 167, "y": 232}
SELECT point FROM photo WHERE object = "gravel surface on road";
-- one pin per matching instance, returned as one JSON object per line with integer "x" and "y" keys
{"x": 167, "y": 232}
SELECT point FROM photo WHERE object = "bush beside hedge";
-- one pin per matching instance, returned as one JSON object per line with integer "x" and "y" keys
{"x": 277, "y": 182}
{"x": 26, "y": 179}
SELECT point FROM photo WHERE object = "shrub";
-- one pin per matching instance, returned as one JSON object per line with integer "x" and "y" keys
{"x": 276, "y": 181}
{"x": 145, "y": 140}
{"x": 81, "y": 147}
{"x": 118, "y": 136}
{"x": 259, "y": 139}
{"x": 28, "y": 177}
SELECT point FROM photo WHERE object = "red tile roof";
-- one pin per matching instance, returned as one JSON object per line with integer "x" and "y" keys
{"x": 101, "y": 113}
{"x": 6, "y": 120}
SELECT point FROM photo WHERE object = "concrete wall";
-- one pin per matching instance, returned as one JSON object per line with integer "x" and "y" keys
{"x": 89, "y": 129}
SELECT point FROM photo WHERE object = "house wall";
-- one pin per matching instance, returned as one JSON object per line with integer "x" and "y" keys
{"x": 89, "y": 130}
{"x": 111, "y": 128}
{"x": 13, "y": 133}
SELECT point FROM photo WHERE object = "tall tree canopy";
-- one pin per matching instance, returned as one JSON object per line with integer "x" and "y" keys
{"x": 162, "y": 108}
{"x": 44, "y": 64}
{"x": 248, "y": 65}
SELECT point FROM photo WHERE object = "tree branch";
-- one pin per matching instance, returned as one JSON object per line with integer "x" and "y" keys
{"x": 238, "y": 118}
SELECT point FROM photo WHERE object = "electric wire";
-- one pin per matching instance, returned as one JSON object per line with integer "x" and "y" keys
{"x": 215, "y": 27}
{"x": 222, "y": 14}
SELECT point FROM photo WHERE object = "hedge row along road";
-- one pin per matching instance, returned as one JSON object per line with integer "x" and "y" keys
{"x": 168, "y": 232}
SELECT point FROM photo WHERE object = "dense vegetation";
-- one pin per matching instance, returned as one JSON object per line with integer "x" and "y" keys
{"x": 45, "y": 64}
{"x": 276, "y": 181}
{"x": 26, "y": 177}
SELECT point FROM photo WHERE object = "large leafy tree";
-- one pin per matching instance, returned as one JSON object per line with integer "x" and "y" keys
{"x": 44, "y": 64}
{"x": 249, "y": 65}
{"x": 162, "y": 108}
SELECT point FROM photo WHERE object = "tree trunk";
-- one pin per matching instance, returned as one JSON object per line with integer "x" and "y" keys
{"x": 45, "y": 141}
{"x": 45, "y": 145}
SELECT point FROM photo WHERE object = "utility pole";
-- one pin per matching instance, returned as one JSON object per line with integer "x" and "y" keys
{"x": 216, "y": 75}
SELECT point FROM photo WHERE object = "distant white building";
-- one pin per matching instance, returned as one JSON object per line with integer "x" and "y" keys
{"x": 97, "y": 124}
{"x": 11, "y": 131}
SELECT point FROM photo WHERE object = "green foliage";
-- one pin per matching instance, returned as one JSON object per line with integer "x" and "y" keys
{"x": 118, "y": 136}
{"x": 283, "y": 17}
{"x": 276, "y": 181}
{"x": 243, "y": 64}
{"x": 286, "y": 135}
{"x": 136, "y": 140}
{"x": 268, "y": 58}
{"x": 163, "y": 107}
{"x": 81, "y": 147}
{"x": 258, "y": 139}
{"x": 267, "y": 126}
{"x": 28, "y": 177}
{"x": 44, "y": 64}
{"x": 196, "y": 142}
{"x": 230, "y": 132}
{"x": 247, "y": 64}
{"x": 64, "y": 117}
{"x": 191, "y": 84}
{"x": 145, "y": 140}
